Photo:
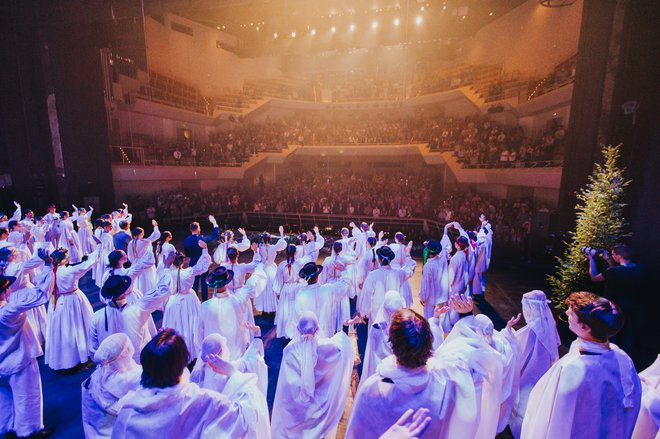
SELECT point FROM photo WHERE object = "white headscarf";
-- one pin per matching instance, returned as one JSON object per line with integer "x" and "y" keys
{"x": 212, "y": 344}
{"x": 539, "y": 318}
{"x": 304, "y": 348}
{"x": 116, "y": 372}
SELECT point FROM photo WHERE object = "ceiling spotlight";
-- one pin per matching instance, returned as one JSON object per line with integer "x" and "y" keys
{"x": 491, "y": 14}
{"x": 275, "y": 35}
{"x": 397, "y": 22}
{"x": 293, "y": 34}
{"x": 463, "y": 17}
{"x": 374, "y": 24}
{"x": 257, "y": 27}
{"x": 218, "y": 27}
{"x": 351, "y": 27}
{"x": 333, "y": 29}
{"x": 419, "y": 19}
{"x": 313, "y": 32}
{"x": 422, "y": 8}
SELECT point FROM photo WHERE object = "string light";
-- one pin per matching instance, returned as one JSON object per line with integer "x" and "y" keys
{"x": 124, "y": 155}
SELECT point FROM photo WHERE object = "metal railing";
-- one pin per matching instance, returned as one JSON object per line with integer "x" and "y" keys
{"x": 328, "y": 223}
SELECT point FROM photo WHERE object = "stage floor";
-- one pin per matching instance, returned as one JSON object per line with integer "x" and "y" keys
{"x": 62, "y": 411}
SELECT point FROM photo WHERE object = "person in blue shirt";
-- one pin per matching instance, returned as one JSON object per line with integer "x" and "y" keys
{"x": 192, "y": 249}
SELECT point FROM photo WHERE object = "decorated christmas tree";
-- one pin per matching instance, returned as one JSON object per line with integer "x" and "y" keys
{"x": 599, "y": 224}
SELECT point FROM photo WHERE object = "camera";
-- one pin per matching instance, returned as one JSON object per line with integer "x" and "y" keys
{"x": 592, "y": 251}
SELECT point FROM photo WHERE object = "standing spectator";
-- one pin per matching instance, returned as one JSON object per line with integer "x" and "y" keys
{"x": 194, "y": 252}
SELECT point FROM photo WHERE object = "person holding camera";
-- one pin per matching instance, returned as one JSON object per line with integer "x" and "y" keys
{"x": 624, "y": 283}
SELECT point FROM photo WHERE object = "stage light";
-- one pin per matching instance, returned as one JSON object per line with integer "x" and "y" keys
{"x": 397, "y": 22}
{"x": 293, "y": 34}
{"x": 275, "y": 35}
{"x": 422, "y": 9}
{"x": 351, "y": 27}
{"x": 257, "y": 27}
{"x": 419, "y": 20}
{"x": 218, "y": 27}
{"x": 333, "y": 29}
{"x": 374, "y": 25}
{"x": 313, "y": 32}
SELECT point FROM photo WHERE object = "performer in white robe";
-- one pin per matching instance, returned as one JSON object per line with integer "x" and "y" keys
{"x": 164, "y": 248}
{"x": 220, "y": 255}
{"x": 85, "y": 234}
{"x": 266, "y": 254}
{"x": 313, "y": 383}
{"x": 22, "y": 271}
{"x": 214, "y": 371}
{"x": 69, "y": 314}
{"x": 69, "y": 238}
{"x": 648, "y": 421}
{"x": 361, "y": 234}
{"x": 129, "y": 318}
{"x": 137, "y": 248}
{"x": 168, "y": 405}
{"x": 593, "y": 391}
{"x": 402, "y": 260}
{"x": 182, "y": 309}
{"x": 320, "y": 299}
{"x": 104, "y": 248}
{"x": 469, "y": 344}
{"x": 434, "y": 289}
{"x": 537, "y": 344}
{"x": 335, "y": 267}
{"x": 368, "y": 262}
{"x": 116, "y": 374}
{"x": 378, "y": 347}
{"x": 405, "y": 381}
{"x": 380, "y": 281}
{"x": 287, "y": 284}
{"x": 349, "y": 258}
{"x": 21, "y": 401}
{"x": 309, "y": 247}
{"x": 481, "y": 262}
{"x": 4, "y": 221}
{"x": 226, "y": 313}
{"x": 39, "y": 235}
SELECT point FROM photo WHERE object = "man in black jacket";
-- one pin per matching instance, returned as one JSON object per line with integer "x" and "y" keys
{"x": 194, "y": 251}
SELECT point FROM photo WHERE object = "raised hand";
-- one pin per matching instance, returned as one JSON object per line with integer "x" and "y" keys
{"x": 371, "y": 226}
{"x": 281, "y": 230}
{"x": 219, "y": 365}
{"x": 440, "y": 310}
{"x": 17, "y": 204}
{"x": 154, "y": 223}
{"x": 125, "y": 206}
{"x": 212, "y": 220}
{"x": 44, "y": 256}
{"x": 241, "y": 231}
{"x": 513, "y": 321}
{"x": 461, "y": 304}
{"x": 380, "y": 235}
{"x": 316, "y": 230}
{"x": 407, "y": 428}
{"x": 351, "y": 224}
{"x": 409, "y": 247}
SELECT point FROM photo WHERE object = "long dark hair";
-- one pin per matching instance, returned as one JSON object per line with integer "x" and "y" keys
{"x": 163, "y": 238}
{"x": 163, "y": 359}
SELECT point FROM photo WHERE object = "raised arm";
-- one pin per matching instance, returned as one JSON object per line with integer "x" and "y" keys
{"x": 204, "y": 261}
{"x": 152, "y": 300}
{"x": 216, "y": 230}
{"x": 320, "y": 240}
{"x": 254, "y": 285}
{"x": 26, "y": 299}
{"x": 17, "y": 213}
{"x": 155, "y": 234}
{"x": 245, "y": 241}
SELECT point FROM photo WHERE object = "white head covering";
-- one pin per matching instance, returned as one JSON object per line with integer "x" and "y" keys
{"x": 304, "y": 348}
{"x": 392, "y": 302}
{"x": 539, "y": 318}
{"x": 212, "y": 344}
{"x": 116, "y": 370}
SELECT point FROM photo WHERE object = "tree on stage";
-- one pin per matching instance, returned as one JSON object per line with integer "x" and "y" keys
{"x": 599, "y": 225}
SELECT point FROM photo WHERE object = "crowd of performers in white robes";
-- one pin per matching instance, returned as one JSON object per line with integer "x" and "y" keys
{"x": 444, "y": 374}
